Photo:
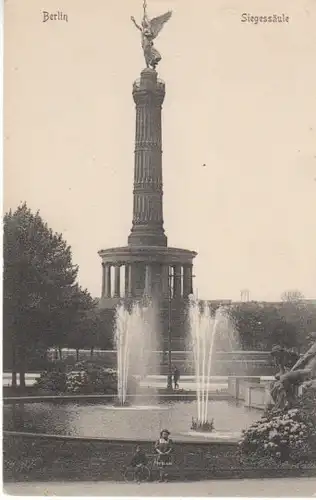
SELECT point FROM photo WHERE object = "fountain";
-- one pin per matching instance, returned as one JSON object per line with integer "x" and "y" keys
{"x": 135, "y": 339}
{"x": 139, "y": 415}
{"x": 205, "y": 328}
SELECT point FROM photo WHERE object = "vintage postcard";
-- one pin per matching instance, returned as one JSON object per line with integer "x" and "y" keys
{"x": 159, "y": 268}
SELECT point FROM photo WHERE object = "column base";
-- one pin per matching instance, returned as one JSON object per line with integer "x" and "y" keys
{"x": 144, "y": 237}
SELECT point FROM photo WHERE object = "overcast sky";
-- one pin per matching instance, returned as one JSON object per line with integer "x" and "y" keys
{"x": 240, "y": 98}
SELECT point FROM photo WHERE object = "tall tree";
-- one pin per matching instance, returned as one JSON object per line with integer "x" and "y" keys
{"x": 41, "y": 297}
{"x": 95, "y": 330}
{"x": 260, "y": 326}
{"x": 68, "y": 314}
{"x": 302, "y": 315}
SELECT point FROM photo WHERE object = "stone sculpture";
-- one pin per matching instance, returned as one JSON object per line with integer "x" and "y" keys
{"x": 290, "y": 382}
{"x": 150, "y": 29}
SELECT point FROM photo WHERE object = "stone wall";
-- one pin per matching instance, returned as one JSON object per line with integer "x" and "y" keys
{"x": 251, "y": 390}
{"x": 237, "y": 386}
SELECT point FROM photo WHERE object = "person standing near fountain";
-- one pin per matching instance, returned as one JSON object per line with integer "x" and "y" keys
{"x": 163, "y": 448}
{"x": 176, "y": 377}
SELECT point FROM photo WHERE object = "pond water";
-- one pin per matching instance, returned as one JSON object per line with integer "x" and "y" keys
{"x": 105, "y": 420}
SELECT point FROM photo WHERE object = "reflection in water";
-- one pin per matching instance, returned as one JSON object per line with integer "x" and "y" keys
{"x": 93, "y": 420}
{"x": 49, "y": 418}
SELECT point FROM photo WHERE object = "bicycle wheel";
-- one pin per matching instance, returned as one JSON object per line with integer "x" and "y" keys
{"x": 144, "y": 474}
{"x": 129, "y": 475}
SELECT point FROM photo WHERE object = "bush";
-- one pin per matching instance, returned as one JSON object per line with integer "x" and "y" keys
{"x": 89, "y": 379}
{"x": 77, "y": 382}
{"x": 61, "y": 364}
{"x": 85, "y": 377}
{"x": 54, "y": 381}
{"x": 283, "y": 436}
{"x": 104, "y": 380}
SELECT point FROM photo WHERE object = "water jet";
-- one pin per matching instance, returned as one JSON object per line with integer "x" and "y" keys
{"x": 135, "y": 339}
{"x": 199, "y": 426}
{"x": 205, "y": 327}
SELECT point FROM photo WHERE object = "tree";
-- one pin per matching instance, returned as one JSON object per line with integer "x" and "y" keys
{"x": 247, "y": 322}
{"x": 68, "y": 316}
{"x": 100, "y": 327}
{"x": 302, "y": 315}
{"x": 260, "y": 326}
{"x": 106, "y": 327}
{"x": 41, "y": 297}
{"x": 284, "y": 334}
{"x": 299, "y": 312}
{"x": 95, "y": 329}
{"x": 83, "y": 333}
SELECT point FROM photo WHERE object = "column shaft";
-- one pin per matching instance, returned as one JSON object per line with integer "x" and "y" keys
{"x": 108, "y": 280}
{"x": 165, "y": 280}
{"x": 148, "y": 280}
{"x": 126, "y": 279}
{"x": 187, "y": 280}
{"x": 103, "y": 280}
{"x": 117, "y": 282}
{"x": 130, "y": 281}
{"x": 177, "y": 281}
{"x": 147, "y": 229}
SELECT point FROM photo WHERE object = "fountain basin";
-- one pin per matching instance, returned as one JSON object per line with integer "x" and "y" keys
{"x": 138, "y": 422}
{"x": 224, "y": 436}
{"x": 135, "y": 407}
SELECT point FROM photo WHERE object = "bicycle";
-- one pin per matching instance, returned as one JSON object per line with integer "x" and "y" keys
{"x": 162, "y": 468}
{"x": 137, "y": 474}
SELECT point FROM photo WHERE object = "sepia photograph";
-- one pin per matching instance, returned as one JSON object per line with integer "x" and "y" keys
{"x": 159, "y": 233}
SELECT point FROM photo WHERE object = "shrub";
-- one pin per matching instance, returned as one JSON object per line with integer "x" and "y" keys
{"x": 54, "y": 381}
{"x": 91, "y": 378}
{"x": 77, "y": 382}
{"x": 104, "y": 380}
{"x": 57, "y": 365}
{"x": 86, "y": 377}
{"x": 287, "y": 435}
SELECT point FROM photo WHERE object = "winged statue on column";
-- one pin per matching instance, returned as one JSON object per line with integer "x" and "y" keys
{"x": 150, "y": 29}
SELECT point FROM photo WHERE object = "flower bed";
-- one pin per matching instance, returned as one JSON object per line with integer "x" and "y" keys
{"x": 82, "y": 378}
{"x": 284, "y": 437}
